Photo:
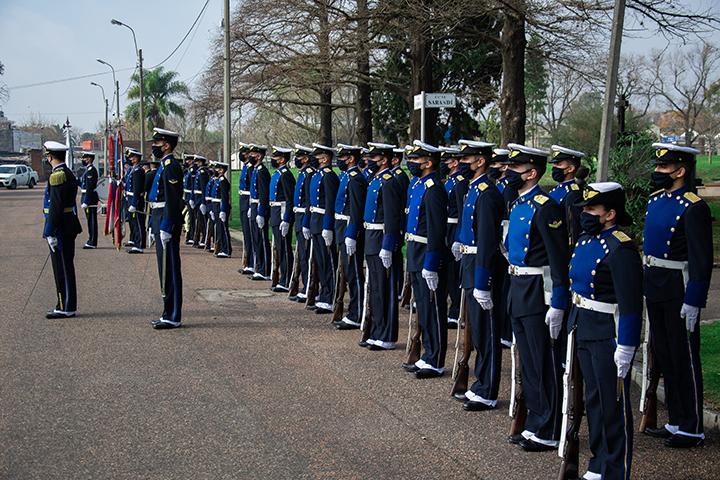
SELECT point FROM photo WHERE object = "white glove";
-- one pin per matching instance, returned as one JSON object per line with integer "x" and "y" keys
{"x": 83, "y": 205}
{"x": 165, "y": 237}
{"x": 192, "y": 203}
{"x": 386, "y": 257}
{"x": 223, "y": 217}
{"x": 212, "y": 215}
{"x": 350, "y": 246}
{"x": 306, "y": 233}
{"x": 690, "y": 314}
{"x": 52, "y": 241}
{"x": 431, "y": 278}
{"x": 623, "y": 356}
{"x": 249, "y": 214}
{"x": 456, "y": 250}
{"x": 151, "y": 237}
{"x": 284, "y": 228}
{"x": 203, "y": 209}
{"x": 328, "y": 237}
{"x": 260, "y": 220}
{"x": 484, "y": 298}
{"x": 132, "y": 209}
{"x": 554, "y": 319}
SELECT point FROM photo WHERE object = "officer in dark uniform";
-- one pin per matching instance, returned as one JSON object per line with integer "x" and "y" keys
{"x": 166, "y": 204}
{"x": 188, "y": 196}
{"x": 480, "y": 233}
{"x": 89, "y": 197}
{"x": 210, "y": 191}
{"x": 136, "y": 201}
{"x": 605, "y": 271}
{"x": 223, "y": 205}
{"x": 244, "y": 200}
{"x": 678, "y": 252}
{"x": 61, "y": 229}
{"x": 427, "y": 257}
{"x": 259, "y": 212}
{"x": 456, "y": 186}
{"x": 199, "y": 182}
{"x": 282, "y": 189}
{"x": 537, "y": 251}
{"x": 570, "y": 175}
{"x": 383, "y": 254}
{"x": 323, "y": 191}
{"x": 349, "y": 231}
{"x": 153, "y": 164}
{"x": 301, "y": 201}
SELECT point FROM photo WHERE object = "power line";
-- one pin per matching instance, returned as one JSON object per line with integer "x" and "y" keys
{"x": 186, "y": 35}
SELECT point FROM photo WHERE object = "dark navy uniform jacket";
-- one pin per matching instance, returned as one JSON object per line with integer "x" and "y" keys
{"x": 383, "y": 205}
{"x": 88, "y": 184}
{"x": 456, "y": 187}
{"x": 678, "y": 227}
{"x": 354, "y": 204}
{"x": 404, "y": 182}
{"x": 245, "y": 177}
{"x": 282, "y": 187}
{"x": 427, "y": 217}
{"x": 323, "y": 191}
{"x": 260, "y": 189}
{"x": 149, "y": 180}
{"x": 567, "y": 194}
{"x": 168, "y": 187}
{"x": 59, "y": 204}
{"x": 199, "y": 183}
{"x": 607, "y": 268}
{"x": 188, "y": 176}
{"x": 223, "y": 193}
{"x": 537, "y": 237}
{"x": 487, "y": 225}
{"x": 137, "y": 188}
{"x": 301, "y": 196}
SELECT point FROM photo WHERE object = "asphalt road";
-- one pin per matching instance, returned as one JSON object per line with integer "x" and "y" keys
{"x": 251, "y": 387}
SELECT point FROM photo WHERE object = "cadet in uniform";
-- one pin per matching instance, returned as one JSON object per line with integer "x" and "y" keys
{"x": 154, "y": 164}
{"x": 282, "y": 189}
{"x": 61, "y": 229}
{"x": 605, "y": 271}
{"x": 136, "y": 202}
{"x": 427, "y": 257}
{"x": 301, "y": 202}
{"x": 244, "y": 200}
{"x": 188, "y": 196}
{"x": 321, "y": 222}
{"x": 199, "y": 183}
{"x": 259, "y": 212}
{"x": 89, "y": 197}
{"x": 223, "y": 205}
{"x": 568, "y": 172}
{"x": 382, "y": 218}
{"x": 538, "y": 256}
{"x": 678, "y": 265}
{"x": 166, "y": 203}
{"x": 456, "y": 186}
{"x": 349, "y": 231}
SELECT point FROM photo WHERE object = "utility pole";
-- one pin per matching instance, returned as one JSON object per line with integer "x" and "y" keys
{"x": 610, "y": 86}
{"x": 105, "y": 139}
{"x": 142, "y": 106}
{"x": 68, "y": 142}
{"x": 226, "y": 90}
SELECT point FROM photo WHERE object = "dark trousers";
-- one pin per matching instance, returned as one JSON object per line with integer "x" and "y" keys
{"x": 247, "y": 234}
{"x": 168, "y": 262}
{"x": 383, "y": 299}
{"x": 485, "y": 331}
{"x": 200, "y": 220}
{"x": 192, "y": 212}
{"x": 210, "y": 227}
{"x": 91, "y": 216}
{"x": 285, "y": 254}
{"x": 261, "y": 244}
{"x": 303, "y": 247}
{"x": 677, "y": 353}
{"x": 453, "y": 287}
{"x": 222, "y": 233}
{"x": 540, "y": 375}
{"x": 432, "y": 318}
{"x": 610, "y": 422}
{"x": 501, "y": 282}
{"x": 137, "y": 229}
{"x": 326, "y": 258}
{"x": 63, "y": 264}
{"x": 355, "y": 276}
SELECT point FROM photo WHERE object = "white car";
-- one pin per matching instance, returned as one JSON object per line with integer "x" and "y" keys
{"x": 11, "y": 176}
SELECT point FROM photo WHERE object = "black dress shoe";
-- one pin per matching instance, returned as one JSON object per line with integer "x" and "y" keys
{"x": 373, "y": 347}
{"x": 310, "y": 307}
{"x": 469, "y": 406}
{"x": 51, "y": 314}
{"x": 684, "y": 441}
{"x": 322, "y": 311}
{"x": 424, "y": 373}
{"x": 346, "y": 326}
{"x": 516, "y": 439}
{"x": 661, "y": 432}
{"x": 165, "y": 325}
{"x": 409, "y": 367}
{"x": 532, "y": 446}
{"x": 293, "y": 298}
{"x": 363, "y": 344}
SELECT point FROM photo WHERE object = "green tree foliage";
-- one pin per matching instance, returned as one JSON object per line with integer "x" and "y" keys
{"x": 161, "y": 93}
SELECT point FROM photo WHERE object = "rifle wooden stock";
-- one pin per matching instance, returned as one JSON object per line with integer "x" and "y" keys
{"x": 570, "y": 451}
{"x": 340, "y": 289}
{"x": 295, "y": 276}
{"x": 275, "y": 263}
{"x": 366, "y": 324}
{"x": 406, "y": 293}
{"x": 413, "y": 347}
{"x": 519, "y": 410}
{"x": 461, "y": 370}
{"x": 648, "y": 417}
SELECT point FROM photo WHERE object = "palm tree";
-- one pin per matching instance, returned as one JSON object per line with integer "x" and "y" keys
{"x": 160, "y": 90}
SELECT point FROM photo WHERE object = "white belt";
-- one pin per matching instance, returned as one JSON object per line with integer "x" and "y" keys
{"x": 467, "y": 249}
{"x": 317, "y": 210}
{"x": 277, "y": 204}
{"x": 208, "y": 199}
{"x": 245, "y": 192}
{"x": 415, "y": 238}
{"x": 217, "y": 200}
{"x": 594, "y": 305}
{"x": 129, "y": 194}
{"x": 683, "y": 266}
{"x": 374, "y": 226}
{"x": 187, "y": 190}
{"x": 82, "y": 190}
{"x": 340, "y": 216}
{"x": 452, "y": 220}
{"x": 255, "y": 200}
{"x": 299, "y": 209}
{"x": 157, "y": 204}
{"x": 197, "y": 192}
{"x": 544, "y": 271}
{"x": 521, "y": 271}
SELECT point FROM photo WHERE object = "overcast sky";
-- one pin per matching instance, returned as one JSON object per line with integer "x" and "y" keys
{"x": 47, "y": 40}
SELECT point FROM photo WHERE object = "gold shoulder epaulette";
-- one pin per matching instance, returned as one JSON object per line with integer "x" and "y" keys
{"x": 327, "y": 169}
{"x": 460, "y": 178}
{"x": 482, "y": 186}
{"x": 657, "y": 192}
{"x": 168, "y": 162}
{"x": 574, "y": 186}
{"x": 352, "y": 174}
{"x": 622, "y": 236}
{"x": 541, "y": 199}
{"x": 387, "y": 176}
{"x": 310, "y": 170}
{"x": 692, "y": 197}
{"x": 57, "y": 178}
{"x": 429, "y": 182}
{"x": 398, "y": 170}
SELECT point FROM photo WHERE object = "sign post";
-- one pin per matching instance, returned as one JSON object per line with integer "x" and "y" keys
{"x": 431, "y": 100}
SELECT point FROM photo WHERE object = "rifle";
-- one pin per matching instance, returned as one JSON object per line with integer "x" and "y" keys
{"x": 461, "y": 369}
{"x": 340, "y": 288}
{"x": 650, "y": 381}
{"x": 413, "y": 344}
{"x": 274, "y": 263}
{"x": 517, "y": 411}
{"x": 406, "y": 292}
{"x": 295, "y": 276}
{"x": 572, "y": 410}
{"x": 366, "y": 323}
{"x": 312, "y": 286}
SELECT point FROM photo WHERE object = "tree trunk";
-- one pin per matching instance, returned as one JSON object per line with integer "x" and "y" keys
{"x": 363, "y": 101}
{"x": 512, "y": 96}
{"x": 326, "y": 110}
{"x": 422, "y": 78}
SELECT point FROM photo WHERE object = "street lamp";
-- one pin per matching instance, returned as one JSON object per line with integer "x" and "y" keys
{"x": 138, "y": 53}
{"x": 117, "y": 87}
{"x": 106, "y": 126}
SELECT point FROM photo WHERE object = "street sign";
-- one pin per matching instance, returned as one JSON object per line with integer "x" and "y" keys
{"x": 434, "y": 100}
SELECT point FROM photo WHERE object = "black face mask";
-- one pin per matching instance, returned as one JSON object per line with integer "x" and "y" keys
{"x": 314, "y": 162}
{"x": 362, "y": 163}
{"x": 663, "y": 180}
{"x": 465, "y": 170}
{"x": 274, "y": 163}
{"x": 590, "y": 223}
{"x": 444, "y": 168}
{"x": 298, "y": 163}
{"x": 157, "y": 152}
{"x": 514, "y": 179}
{"x": 494, "y": 173}
{"x": 415, "y": 169}
{"x": 341, "y": 164}
{"x": 373, "y": 166}
{"x": 558, "y": 174}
